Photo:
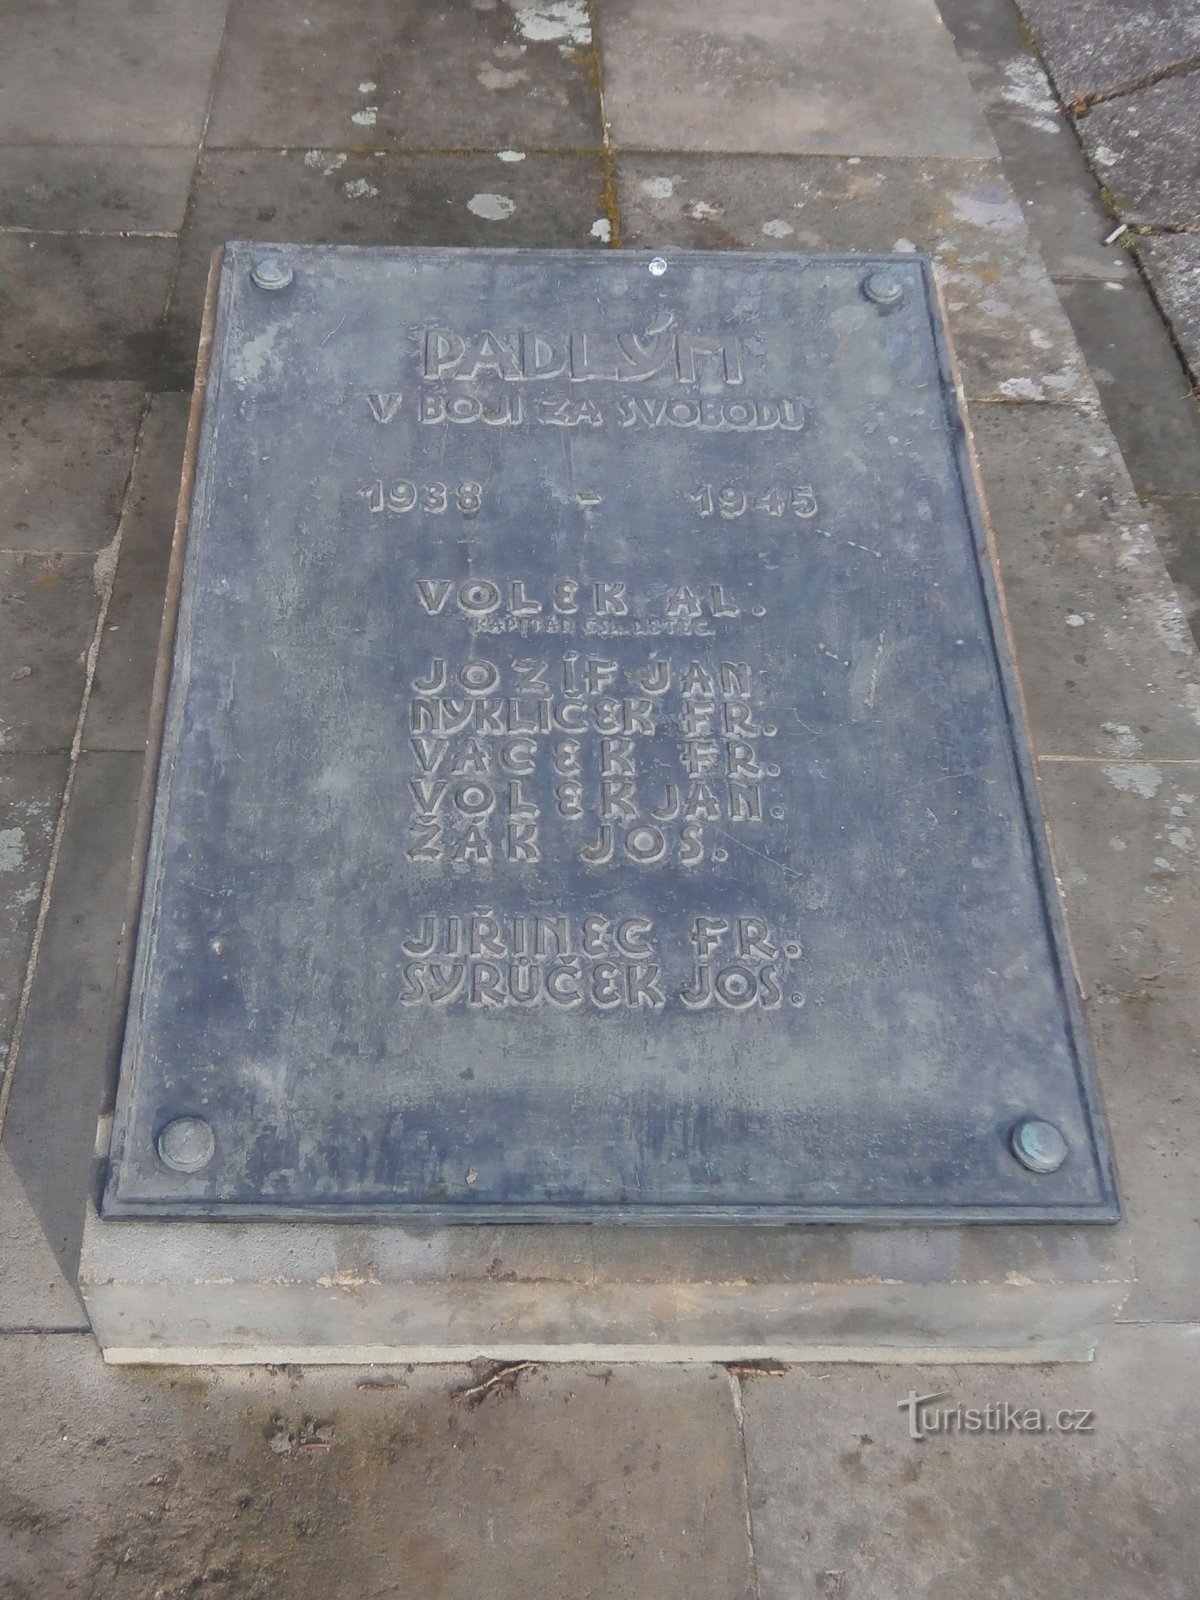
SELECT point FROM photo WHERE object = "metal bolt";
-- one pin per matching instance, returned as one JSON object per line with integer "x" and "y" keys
{"x": 658, "y": 266}
{"x": 883, "y": 288}
{"x": 1038, "y": 1145}
{"x": 187, "y": 1144}
{"x": 271, "y": 273}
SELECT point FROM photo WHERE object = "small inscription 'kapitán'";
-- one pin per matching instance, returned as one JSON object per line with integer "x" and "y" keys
{"x": 589, "y": 785}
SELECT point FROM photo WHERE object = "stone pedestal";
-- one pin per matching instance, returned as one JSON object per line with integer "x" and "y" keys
{"x": 595, "y": 901}
{"x": 253, "y": 1292}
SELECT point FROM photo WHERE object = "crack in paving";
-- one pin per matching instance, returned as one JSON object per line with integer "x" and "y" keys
{"x": 1153, "y": 228}
{"x": 1083, "y": 103}
{"x": 735, "y": 1390}
{"x": 610, "y": 201}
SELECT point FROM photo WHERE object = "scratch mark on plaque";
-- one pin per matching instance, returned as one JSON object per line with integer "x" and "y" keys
{"x": 832, "y": 655}
{"x": 332, "y": 331}
{"x": 943, "y": 777}
{"x": 582, "y": 537}
{"x": 788, "y": 872}
{"x": 873, "y": 681}
{"x": 853, "y": 543}
{"x": 808, "y": 728}
{"x": 229, "y": 697}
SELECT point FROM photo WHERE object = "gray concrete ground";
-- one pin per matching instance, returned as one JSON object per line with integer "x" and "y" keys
{"x": 1124, "y": 77}
{"x": 130, "y": 141}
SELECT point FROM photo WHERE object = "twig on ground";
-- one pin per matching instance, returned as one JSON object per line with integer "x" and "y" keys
{"x": 501, "y": 1378}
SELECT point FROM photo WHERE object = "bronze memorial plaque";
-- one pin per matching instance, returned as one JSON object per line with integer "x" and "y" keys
{"x": 593, "y": 783}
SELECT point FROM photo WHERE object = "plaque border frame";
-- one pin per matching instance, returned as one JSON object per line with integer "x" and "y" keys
{"x": 131, "y": 960}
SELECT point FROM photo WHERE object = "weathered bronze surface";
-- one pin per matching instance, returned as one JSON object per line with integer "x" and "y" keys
{"x": 593, "y": 782}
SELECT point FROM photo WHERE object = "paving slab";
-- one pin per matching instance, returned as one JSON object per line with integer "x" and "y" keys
{"x": 59, "y": 1080}
{"x": 83, "y": 307}
{"x": 1037, "y": 142}
{"x": 1150, "y": 1042}
{"x": 1101, "y": 640}
{"x": 65, "y": 453}
{"x": 995, "y": 47}
{"x": 1177, "y": 532}
{"x": 33, "y": 1292}
{"x": 1130, "y": 356}
{"x": 325, "y": 195}
{"x": 845, "y": 1504}
{"x": 342, "y": 1485}
{"x": 95, "y": 188}
{"x": 1097, "y": 44}
{"x": 1145, "y": 150}
{"x": 1173, "y": 264}
{"x": 1010, "y": 336}
{"x": 768, "y": 76}
{"x": 48, "y": 609}
{"x": 1130, "y": 351}
{"x": 401, "y": 73}
{"x": 30, "y": 791}
{"x": 108, "y": 72}
{"x": 1125, "y": 834}
{"x": 1059, "y": 199}
{"x": 119, "y": 706}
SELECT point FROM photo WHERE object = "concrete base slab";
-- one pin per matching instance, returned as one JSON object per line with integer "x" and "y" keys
{"x": 212, "y": 1293}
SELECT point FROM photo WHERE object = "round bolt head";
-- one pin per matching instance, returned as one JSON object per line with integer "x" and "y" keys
{"x": 658, "y": 266}
{"x": 187, "y": 1144}
{"x": 883, "y": 289}
{"x": 1038, "y": 1145}
{"x": 271, "y": 273}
